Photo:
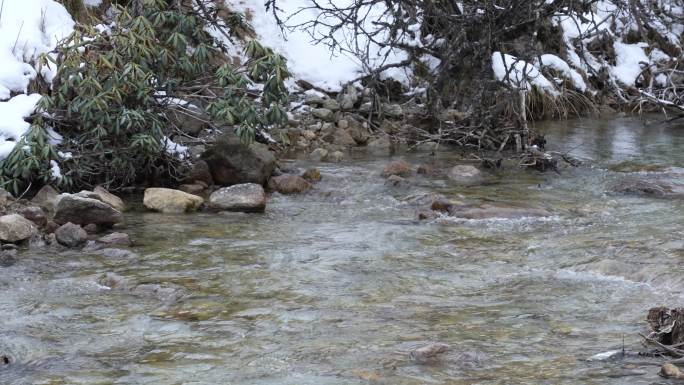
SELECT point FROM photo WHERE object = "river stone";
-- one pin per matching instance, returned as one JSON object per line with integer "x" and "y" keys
{"x": 396, "y": 180}
{"x": 171, "y": 201}
{"x": 397, "y": 167}
{"x": 46, "y": 197}
{"x": 109, "y": 198}
{"x": 5, "y": 197}
{"x": 490, "y": 211}
{"x": 15, "y": 228}
{"x": 654, "y": 188}
{"x": 83, "y": 211}
{"x": 379, "y": 146}
{"x": 343, "y": 138}
{"x": 331, "y": 104}
{"x": 358, "y": 131}
{"x": 289, "y": 184}
{"x": 392, "y": 110}
{"x": 465, "y": 174}
{"x": 194, "y": 189}
{"x": 323, "y": 114}
{"x": 116, "y": 239}
{"x": 247, "y": 197}
{"x": 319, "y": 154}
{"x": 34, "y": 214}
{"x": 335, "y": 157}
{"x": 71, "y": 235}
{"x": 312, "y": 175}
{"x": 231, "y": 162}
{"x": 200, "y": 172}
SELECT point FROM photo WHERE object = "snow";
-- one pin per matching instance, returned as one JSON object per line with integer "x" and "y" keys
{"x": 561, "y": 66}
{"x": 55, "y": 170}
{"x": 628, "y": 58}
{"x": 12, "y": 124}
{"x": 521, "y": 74}
{"x": 28, "y": 28}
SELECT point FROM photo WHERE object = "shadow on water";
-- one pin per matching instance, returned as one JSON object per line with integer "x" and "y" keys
{"x": 335, "y": 286}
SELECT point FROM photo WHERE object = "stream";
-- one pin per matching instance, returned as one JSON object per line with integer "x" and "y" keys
{"x": 335, "y": 286}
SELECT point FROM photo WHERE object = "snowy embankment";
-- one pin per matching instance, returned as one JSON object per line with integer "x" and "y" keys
{"x": 28, "y": 29}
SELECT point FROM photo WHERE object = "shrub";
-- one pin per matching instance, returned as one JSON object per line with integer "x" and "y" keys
{"x": 112, "y": 93}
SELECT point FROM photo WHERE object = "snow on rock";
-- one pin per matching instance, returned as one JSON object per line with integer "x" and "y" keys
{"x": 561, "y": 66}
{"x": 519, "y": 73}
{"x": 28, "y": 28}
{"x": 628, "y": 58}
{"x": 12, "y": 123}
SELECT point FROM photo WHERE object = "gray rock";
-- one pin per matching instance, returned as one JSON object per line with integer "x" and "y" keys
{"x": 343, "y": 138}
{"x": 231, "y": 162}
{"x": 46, "y": 197}
{"x": 358, "y": 131}
{"x": 118, "y": 254}
{"x": 189, "y": 120}
{"x": 109, "y": 198}
{"x": 71, "y": 235}
{"x": 397, "y": 167}
{"x": 348, "y": 98}
{"x": 380, "y": 146}
{"x": 5, "y": 197}
{"x": 34, "y": 214}
{"x": 319, "y": 154}
{"x": 653, "y": 188}
{"x": 83, "y": 211}
{"x": 465, "y": 175}
{"x": 200, "y": 172}
{"x": 171, "y": 201}
{"x": 116, "y": 239}
{"x": 392, "y": 110}
{"x": 323, "y": 114}
{"x": 15, "y": 228}
{"x": 247, "y": 197}
{"x": 193, "y": 189}
{"x": 314, "y": 100}
{"x": 331, "y": 104}
{"x": 336, "y": 157}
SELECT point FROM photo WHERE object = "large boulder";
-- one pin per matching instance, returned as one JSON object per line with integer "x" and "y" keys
{"x": 71, "y": 235}
{"x": 465, "y": 174}
{"x": 171, "y": 201}
{"x": 109, "y": 198}
{"x": 15, "y": 228}
{"x": 289, "y": 184}
{"x": 247, "y": 197}
{"x": 231, "y": 162}
{"x": 82, "y": 211}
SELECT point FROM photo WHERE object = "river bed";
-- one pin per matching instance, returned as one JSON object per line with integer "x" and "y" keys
{"x": 336, "y": 285}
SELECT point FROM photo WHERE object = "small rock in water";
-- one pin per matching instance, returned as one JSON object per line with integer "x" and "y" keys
{"x": 465, "y": 175}
{"x": 428, "y": 352}
{"x": 116, "y": 239}
{"x": 247, "y": 197}
{"x": 8, "y": 258}
{"x": 397, "y": 167}
{"x": 289, "y": 184}
{"x": 319, "y": 154}
{"x": 312, "y": 175}
{"x": 336, "y": 157}
{"x": 171, "y": 201}
{"x": 396, "y": 180}
{"x": 671, "y": 371}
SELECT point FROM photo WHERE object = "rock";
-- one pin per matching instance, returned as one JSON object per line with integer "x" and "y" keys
{"x": 652, "y": 188}
{"x": 308, "y": 134}
{"x": 117, "y": 253}
{"x": 487, "y": 211}
{"x": 428, "y": 352}
{"x": 380, "y": 146}
{"x": 5, "y": 197}
{"x": 231, "y": 162}
{"x": 331, "y": 104}
{"x": 71, "y": 235}
{"x": 200, "y": 172}
{"x": 116, "y": 239}
{"x": 109, "y": 198}
{"x": 426, "y": 169}
{"x": 114, "y": 281}
{"x": 193, "y": 189}
{"x": 348, "y": 98}
{"x": 34, "y": 214}
{"x": 289, "y": 184}
{"x": 167, "y": 293}
{"x": 425, "y": 215}
{"x": 248, "y": 197}
{"x": 83, "y": 211}
{"x": 312, "y": 175}
{"x": 397, "y": 167}
{"x": 441, "y": 206}
{"x": 171, "y": 201}
{"x": 343, "y": 138}
{"x": 336, "y": 157}
{"x": 671, "y": 371}
{"x": 396, "y": 180}
{"x": 50, "y": 227}
{"x": 8, "y": 258}
{"x": 15, "y": 228}
{"x": 188, "y": 119}
{"x": 91, "y": 228}
{"x": 393, "y": 111}
{"x": 46, "y": 197}
{"x": 323, "y": 114}
{"x": 358, "y": 132}
{"x": 319, "y": 154}
{"x": 314, "y": 100}
{"x": 465, "y": 175}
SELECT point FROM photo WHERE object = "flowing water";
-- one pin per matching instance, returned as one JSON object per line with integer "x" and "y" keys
{"x": 337, "y": 285}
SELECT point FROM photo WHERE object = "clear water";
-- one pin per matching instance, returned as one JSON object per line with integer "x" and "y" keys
{"x": 335, "y": 286}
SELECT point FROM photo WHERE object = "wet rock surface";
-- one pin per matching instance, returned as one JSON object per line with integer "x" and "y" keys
{"x": 231, "y": 162}
{"x": 248, "y": 197}
{"x": 16, "y": 228}
{"x": 82, "y": 211}
{"x": 289, "y": 184}
{"x": 171, "y": 201}
{"x": 71, "y": 235}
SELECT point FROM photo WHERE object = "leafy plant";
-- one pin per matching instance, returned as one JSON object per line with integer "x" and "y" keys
{"x": 113, "y": 91}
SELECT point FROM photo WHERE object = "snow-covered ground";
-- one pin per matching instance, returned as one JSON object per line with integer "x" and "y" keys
{"x": 28, "y": 28}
